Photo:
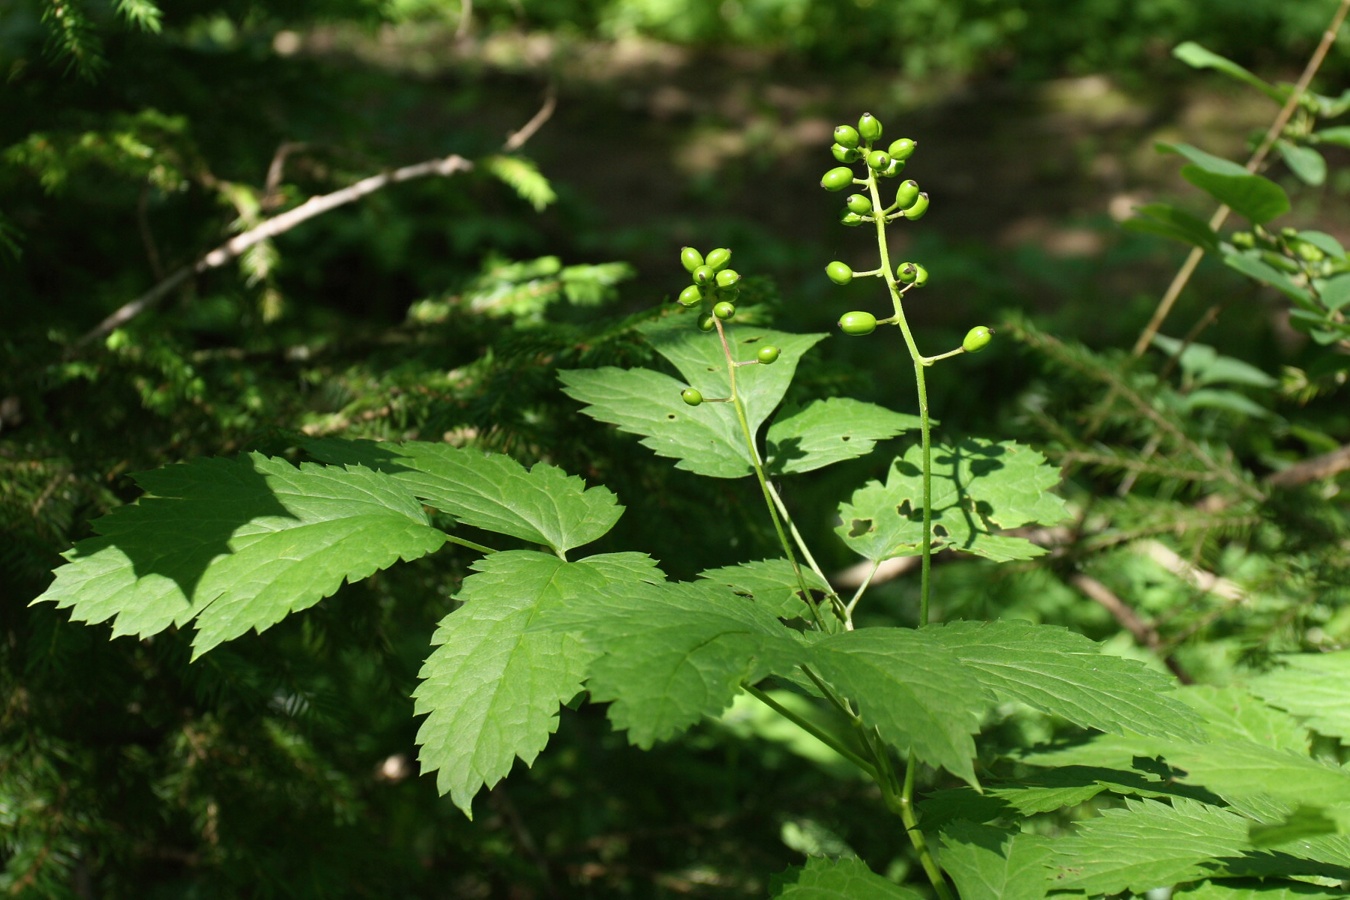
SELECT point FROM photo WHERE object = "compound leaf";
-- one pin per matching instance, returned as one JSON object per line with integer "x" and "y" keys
{"x": 669, "y": 654}
{"x": 829, "y": 431}
{"x": 994, "y": 863}
{"x": 771, "y": 583}
{"x": 492, "y": 686}
{"x": 847, "y": 878}
{"x": 1065, "y": 674}
{"x": 1311, "y": 685}
{"x": 541, "y": 504}
{"x": 916, "y": 693}
{"x": 236, "y": 544}
{"x": 978, "y": 487}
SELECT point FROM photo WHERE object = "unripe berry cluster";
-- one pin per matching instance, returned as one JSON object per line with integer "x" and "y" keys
{"x": 863, "y": 143}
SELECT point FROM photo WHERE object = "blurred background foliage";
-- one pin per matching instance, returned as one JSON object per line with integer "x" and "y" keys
{"x": 134, "y": 138}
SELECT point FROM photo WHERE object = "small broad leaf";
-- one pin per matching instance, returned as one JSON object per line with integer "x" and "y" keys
{"x": 771, "y": 583}
{"x": 846, "y": 878}
{"x": 1307, "y": 164}
{"x": 979, "y": 487}
{"x": 492, "y": 687}
{"x": 1203, "y": 364}
{"x": 234, "y": 545}
{"x": 1168, "y": 221}
{"x": 1146, "y": 845}
{"x": 1323, "y": 241}
{"x": 1248, "y": 264}
{"x": 828, "y": 431}
{"x": 1311, "y": 686}
{"x": 915, "y": 692}
{"x": 1197, "y": 57}
{"x": 1065, "y": 674}
{"x": 669, "y": 654}
{"x": 996, "y": 864}
{"x": 1338, "y": 136}
{"x": 1256, "y": 889}
{"x": 1253, "y": 196}
{"x": 542, "y": 504}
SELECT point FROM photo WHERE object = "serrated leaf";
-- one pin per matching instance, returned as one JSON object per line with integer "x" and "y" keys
{"x": 829, "y": 431}
{"x": 1198, "y": 57}
{"x": 1303, "y": 823}
{"x": 1254, "y": 197}
{"x": 1236, "y": 769}
{"x": 706, "y": 439}
{"x": 1065, "y": 674}
{"x": 233, "y": 545}
{"x": 1307, "y": 164}
{"x": 836, "y": 879}
{"x": 979, "y": 487}
{"x": 523, "y": 177}
{"x": 541, "y": 504}
{"x": 1170, "y": 222}
{"x": 996, "y": 864}
{"x": 1254, "y": 889}
{"x": 771, "y": 583}
{"x": 1231, "y": 714}
{"x": 915, "y": 692}
{"x": 1147, "y": 845}
{"x": 669, "y": 654}
{"x": 492, "y": 687}
{"x": 1312, "y": 686}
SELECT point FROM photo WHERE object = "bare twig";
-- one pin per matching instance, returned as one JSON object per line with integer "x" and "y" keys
{"x": 1257, "y": 159}
{"x": 1314, "y": 469}
{"x": 271, "y": 189}
{"x": 516, "y": 139}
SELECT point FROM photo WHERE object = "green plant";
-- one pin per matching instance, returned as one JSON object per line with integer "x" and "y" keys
{"x": 233, "y": 545}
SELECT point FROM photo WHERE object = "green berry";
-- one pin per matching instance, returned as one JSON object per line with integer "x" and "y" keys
{"x": 727, "y": 277}
{"x": 846, "y": 136}
{"x": 912, "y": 273}
{"x": 839, "y": 272}
{"x": 690, "y": 296}
{"x": 869, "y": 127}
{"x": 977, "y": 339}
{"x": 850, "y": 218}
{"x": 1244, "y": 239}
{"x": 768, "y": 354}
{"x": 859, "y": 204}
{"x": 845, "y": 154}
{"x": 718, "y": 258}
{"x": 858, "y": 323}
{"x": 691, "y": 396}
{"x": 691, "y": 259}
{"x": 878, "y": 160}
{"x": 895, "y": 168}
{"x": 902, "y": 149}
{"x": 906, "y": 194}
{"x": 724, "y": 310}
{"x": 707, "y": 323}
{"x": 837, "y": 178}
{"x": 918, "y": 208}
{"x": 704, "y": 275}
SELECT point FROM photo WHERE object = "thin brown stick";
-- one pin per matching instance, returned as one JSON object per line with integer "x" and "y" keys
{"x": 1314, "y": 469}
{"x": 1143, "y": 632}
{"x": 1273, "y": 133}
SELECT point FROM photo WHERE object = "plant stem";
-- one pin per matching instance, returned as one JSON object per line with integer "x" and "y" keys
{"x": 812, "y": 729}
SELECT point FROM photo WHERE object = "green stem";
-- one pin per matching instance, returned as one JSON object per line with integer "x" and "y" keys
{"x": 844, "y": 612}
{"x": 451, "y": 539}
{"x": 812, "y": 729}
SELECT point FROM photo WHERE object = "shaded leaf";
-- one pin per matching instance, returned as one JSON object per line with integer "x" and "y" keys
{"x": 1313, "y": 687}
{"x": 1253, "y": 196}
{"x": 993, "y": 863}
{"x": 1198, "y": 57}
{"x": 771, "y": 583}
{"x": 836, "y": 879}
{"x": 1307, "y": 164}
{"x": 1170, "y": 222}
{"x": 829, "y": 431}
{"x": 234, "y": 545}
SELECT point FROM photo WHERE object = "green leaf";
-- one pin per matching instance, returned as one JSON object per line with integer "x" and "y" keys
{"x": 1338, "y": 136}
{"x": 771, "y": 583}
{"x": 979, "y": 487}
{"x": 1323, "y": 241}
{"x": 1303, "y": 823}
{"x": 542, "y": 504}
{"x": 1306, "y": 163}
{"x": 1146, "y": 845}
{"x": 1254, "y": 196}
{"x": 1237, "y": 769}
{"x": 523, "y": 177}
{"x": 836, "y": 879}
{"x": 1232, "y": 715}
{"x": 706, "y": 439}
{"x": 1334, "y": 292}
{"x": 670, "y": 654}
{"x": 1254, "y": 889}
{"x": 1203, "y": 365}
{"x": 1313, "y": 687}
{"x": 492, "y": 686}
{"x": 1170, "y": 222}
{"x": 233, "y": 545}
{"x": 829, "y": 431}
{"x": 1065, "y": 674}
{"x": 1197, "y": 57}
{"x": 915, "y": 692}
{"x": 1255, "y": 269}
{"x": 996, "y": 864}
